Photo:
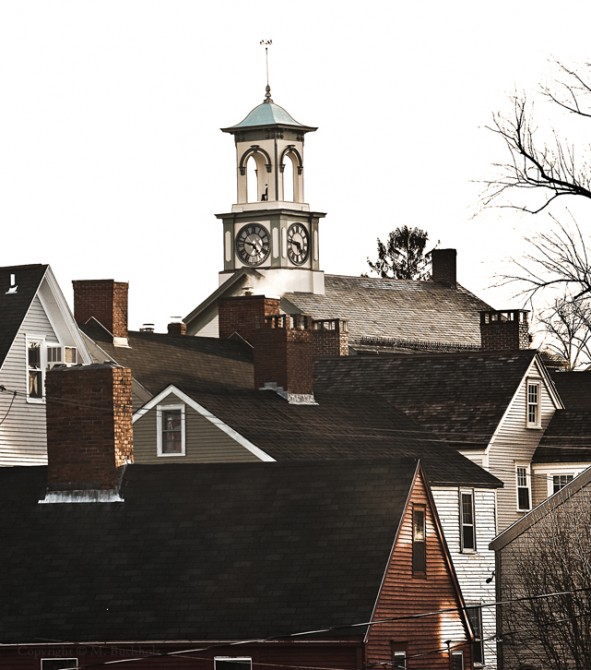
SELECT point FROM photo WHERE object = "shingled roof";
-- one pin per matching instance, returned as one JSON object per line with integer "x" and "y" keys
{"x": 568, "y": 436}
{"x": 200, "y": 552}
{"x": 14, "y": 305}
{"x": 342, "y": 426}
{"x": 393, "y": 311}
{"x": 190, "y": 363}
{"x": 461, "y": 397}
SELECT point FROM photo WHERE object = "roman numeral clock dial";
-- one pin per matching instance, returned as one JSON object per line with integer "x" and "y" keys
{"x": 252, "y": 244}
{"x": 298, "y": 244}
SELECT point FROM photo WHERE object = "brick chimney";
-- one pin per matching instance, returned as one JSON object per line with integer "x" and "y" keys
{"x": 504, "y": 330}
{"x": 443, "y": 267}
{"x": 89, "y": 431}
{"x": 243, "y": 315}
{"x": 106, "y": 301}
{"x": 283, "y": 357}
{"x": 177, "y": 328}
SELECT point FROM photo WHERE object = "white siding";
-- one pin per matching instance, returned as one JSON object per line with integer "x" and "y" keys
{"x": 23, "y": 438}
{"x": 474, "y": 567}
{"x": 515, "y": 443}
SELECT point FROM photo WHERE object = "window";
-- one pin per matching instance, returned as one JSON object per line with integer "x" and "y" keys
{"x": 170, "y": 420}
{"x": 58, "y": 663}
{"x": 468, "y": 529}
{"x": 399, "y": 660}
{"x": 419, "y": 558}
{"x": 232, "y": 663}
{"x": 560, "y": 481}
{"x": 474, "y": 613}
{"x": 457, "y": 660}
{"x": 523, "y": 484}
{"x": 533, "y": 405}
{"x": 35, "y": 367}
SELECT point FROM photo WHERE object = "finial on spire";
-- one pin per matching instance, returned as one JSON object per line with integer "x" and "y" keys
{"x": 267, "y": 44}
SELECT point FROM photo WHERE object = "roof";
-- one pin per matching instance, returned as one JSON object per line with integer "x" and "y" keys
{"x": 387, "y": 311}
{"x": 567, "y": 438}
{"x": 190, "y": 363}
{"x": 200, "y": 552}
{"x": 267, "y": 114}
{"x": 461, "y": 397}
{"x": 14, "y": 305}
{"x": 342, "y": 427}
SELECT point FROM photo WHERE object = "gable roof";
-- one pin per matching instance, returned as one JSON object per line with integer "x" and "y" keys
{"x": 190, "y": 363}
{"x": 393, "y": 311}
{"x": 461, "y": 397}
{"x": 342, "y": 427}
{"x": 15, "y": 305}
{"x": 200, "y": 552}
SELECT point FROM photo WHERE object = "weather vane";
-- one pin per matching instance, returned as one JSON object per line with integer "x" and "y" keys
{"x": 267, "y": 44}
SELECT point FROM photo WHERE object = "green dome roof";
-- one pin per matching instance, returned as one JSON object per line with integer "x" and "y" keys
{"x": 267, "y": 114}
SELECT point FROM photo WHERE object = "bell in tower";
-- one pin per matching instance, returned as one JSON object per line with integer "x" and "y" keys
{"x": 271, "y": 227}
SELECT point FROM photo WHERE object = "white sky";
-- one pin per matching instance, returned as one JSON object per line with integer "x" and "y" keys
{"x": 112, "y": 164}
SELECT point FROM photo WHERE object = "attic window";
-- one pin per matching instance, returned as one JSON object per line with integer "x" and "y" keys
{"x": 419, "y": 556}
{"x": 35, "y": 377}
{"x": 170, "y": 420}
{"x": 533, "y": 405}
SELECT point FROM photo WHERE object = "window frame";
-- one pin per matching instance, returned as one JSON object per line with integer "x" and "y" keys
{"x": 536, "y": 406}
{"x": 32, "y": 341}
{"x": 463, "y": 545}
{"x": 399, "y": 659}
{"x": 474, "y": 614}
{"x": 160, "y": 411}
{"x": 569, "y": 476}
{"x": 419, "y": 546}
{"x": 232, "y": 659}
{"x": 527, "y": 486}
{"x": 457, "y": 655}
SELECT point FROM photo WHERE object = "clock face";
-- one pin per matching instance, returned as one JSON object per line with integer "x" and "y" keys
{"x": 252, "y": 244}
{"x": 298, "y": 244}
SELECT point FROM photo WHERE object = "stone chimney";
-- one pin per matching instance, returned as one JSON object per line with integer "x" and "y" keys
{"x": 89, "y": 432}
{"x": 244, "y": 315}
{"x": 443, "y": 267}
{"x": 106, "y": 301}
{"x": 504, "y": 330}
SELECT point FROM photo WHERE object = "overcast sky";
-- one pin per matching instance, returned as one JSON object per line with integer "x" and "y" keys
{"x": 112, "y": 164}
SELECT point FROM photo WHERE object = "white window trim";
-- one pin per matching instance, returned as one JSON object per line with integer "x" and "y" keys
{"x": 538, "y": 422}
{"x": 159, "y": 411}
{"x": 399, "y": 659}
{"x": 40, "y": 340}
{"x": 527, "y": 469}
{"x": 235, "y": 659}
{"x": 467, "y": 550}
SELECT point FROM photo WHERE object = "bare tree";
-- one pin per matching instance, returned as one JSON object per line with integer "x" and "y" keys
{"x": 544, "y": 162}
{"x": 403, "y": 255}
{"x": 567, "y": 333}
{"x": 546, "y": 591}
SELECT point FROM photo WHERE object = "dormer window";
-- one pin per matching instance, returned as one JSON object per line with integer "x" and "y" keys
{"x": 419, "y": 531}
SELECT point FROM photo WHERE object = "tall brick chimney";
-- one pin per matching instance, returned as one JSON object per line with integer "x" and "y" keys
{"x": 443, "y": 267}
{"x": 504, "y": 330}
{"x": 89, "y": 431}
{"x": 104, "y": 300}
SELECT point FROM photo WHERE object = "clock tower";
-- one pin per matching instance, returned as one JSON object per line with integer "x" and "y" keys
{"x": 271, "y": 229}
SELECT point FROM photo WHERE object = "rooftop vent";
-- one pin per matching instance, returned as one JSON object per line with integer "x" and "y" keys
{"x": 13, "y": 287}
{"x": 147, "y": 328}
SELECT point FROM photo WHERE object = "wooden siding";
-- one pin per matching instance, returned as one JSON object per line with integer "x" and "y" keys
{"x": 23, "y": 437}
{"x": 473, "y": 567}
{"x": 204, "y": 442}
{"x": 513, "y": 444}
{"x": 542, "y": 477}
{"x": 404, "y": 597}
